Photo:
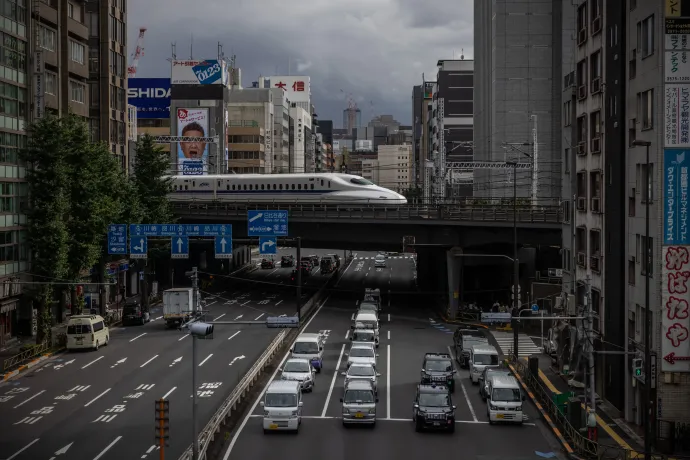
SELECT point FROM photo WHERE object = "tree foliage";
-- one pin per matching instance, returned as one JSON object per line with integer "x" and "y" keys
{"x": 151, "y": 182}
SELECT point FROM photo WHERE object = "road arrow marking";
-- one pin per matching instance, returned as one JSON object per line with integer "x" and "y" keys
{"x": 256, "y": 217}
{"x": 119, "y": 362}
{"x": 179, "y": 245}
{"x": 64, "y": 449}
{"x": 60, "y": 366}
{"x": 237, "y": 358}
{"x": 672, "y": 358}
{"x": 176, "y": 361}
{"x": 238, "y": 317}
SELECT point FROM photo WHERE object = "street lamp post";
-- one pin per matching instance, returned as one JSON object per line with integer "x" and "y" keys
{"x": 647, "y": 316}
{"x": 516, "y": 265}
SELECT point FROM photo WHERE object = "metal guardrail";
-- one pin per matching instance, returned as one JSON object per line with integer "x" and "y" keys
{"x": 26, "y": 355}
{"x": 420, "y": 213}
{"x": 224, "y": 411}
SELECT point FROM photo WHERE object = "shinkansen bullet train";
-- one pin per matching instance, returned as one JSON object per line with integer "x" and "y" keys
{"x": 326, "y": 188}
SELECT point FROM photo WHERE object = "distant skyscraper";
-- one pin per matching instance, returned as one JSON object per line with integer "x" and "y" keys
{"x": 351, "y": 122}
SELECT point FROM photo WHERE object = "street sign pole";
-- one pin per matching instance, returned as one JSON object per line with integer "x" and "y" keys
{"x": 298, "y": 264}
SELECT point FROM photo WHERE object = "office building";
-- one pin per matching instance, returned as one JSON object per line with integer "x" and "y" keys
{"x": 517, "y": 95}
{"x": 352, "y": 119}
{"x": 281, "y": 132}
{"x": 150, "y": 100}
{"x": 326, "y": 128}
{"x": 107, "y": 79}
{"x": 249, "y": 130}
{"x": 395, "y": 167}
{"x": 423, "y": 134}
{"x": 300, "y": 135}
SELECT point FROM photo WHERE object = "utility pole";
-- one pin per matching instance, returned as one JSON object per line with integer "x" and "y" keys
{"x": 590, "y": 351}
{"x": 516, "y": 266}
{"x": 535, "y": 163}
{"x": 298, "y": 265}
{"x": 194, "y": 275}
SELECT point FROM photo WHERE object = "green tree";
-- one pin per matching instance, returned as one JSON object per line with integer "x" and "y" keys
{"x": 46, "y": 155}
{"x": 151, "y": 181}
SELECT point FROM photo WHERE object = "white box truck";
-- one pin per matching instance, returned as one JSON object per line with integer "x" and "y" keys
{"x": 178, "y": 305}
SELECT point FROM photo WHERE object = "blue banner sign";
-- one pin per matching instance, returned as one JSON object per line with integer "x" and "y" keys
{"x": 180, "y": 230}
{"x": 151, "y": 97}
{"x": 267, "y": 223}
{"x": 282, "y": 321}
{"x": 676, "y": 165}
{"x": 117, "y": 239}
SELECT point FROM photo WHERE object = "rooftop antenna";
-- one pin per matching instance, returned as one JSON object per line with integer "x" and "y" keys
{"x": 173, "y": 49}
{"x": 289, "y": 66}
{"x": 191, "y": 48}
{"x": 221, "y": 54}
{"x": 462, "y": 55}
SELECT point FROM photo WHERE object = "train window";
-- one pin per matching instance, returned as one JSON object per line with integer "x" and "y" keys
{"x": 357, "y": 181}
{"x": 312, "y": 186}
{"x": 218, "y": 183}
{"x": 321, "y": 182}
{"x": 186, "y": 187}
{"x": 329, "y": 184}
{"x": 293, "y": 186}
{"x": 274, "y": 186}
{"x": 251, "y": 187}
{"x": 227, "y": 187}
{"x": 299, "y": 186}
{"x": 193, "y": 183}
{"x": 244, "y": 186}
{"x": 280, "y": 186}
{"x": 262, "y": 186}
{"x": 305, "y": 186}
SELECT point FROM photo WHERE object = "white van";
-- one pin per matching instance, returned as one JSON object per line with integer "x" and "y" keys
{"x": 309, "y": 346}
{"x": 282, "y": 404}
{"x": 481, "y": 357}
{"x": 87, "y": 331}
{"x": 367, "y": 320}
{"x": 504, "y": 400}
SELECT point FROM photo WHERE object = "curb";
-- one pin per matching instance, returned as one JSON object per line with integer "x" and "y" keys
{"x": 25, "y": 367}
{"x": 552, "y": 425}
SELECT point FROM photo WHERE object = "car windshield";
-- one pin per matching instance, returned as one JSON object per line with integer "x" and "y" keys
{"x": 368, "y": 307}
{"x": 439, "y": 365}
{"x": 305, "y": 347}
{"x": 362, "y": 353}
{"x": 358, "y": 396}
{"x": 380, "y": 258}
{"x": 280, "y": 400}
{"x": 361, "y": 371}
{"x": 365, "y": 325}
{"x": 491, "y": 372}
{"x": 362, "y": 336}
{"x": 485, "y": 360}
{"x": 471, "y": 333}
{"x": 130, "y": 309}
{"x": 506, "y": 395}
{"x": 434, "y": 400}
{"x": 296, "y": 366}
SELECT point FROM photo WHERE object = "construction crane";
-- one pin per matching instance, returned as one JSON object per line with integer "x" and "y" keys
{"x": 138, "y": 52}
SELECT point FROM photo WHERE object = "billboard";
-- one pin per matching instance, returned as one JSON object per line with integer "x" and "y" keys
{"x": 195, "y": 72}
{"x": 297, "y": 89}
{"x": 675, "y": 274}
{"x": 192, "y": 156}
{"x": 151, "y": 97}
{"x": 677, "y": 115}
{"x": 677, "y": 65}
{"x": 676, "y": 165}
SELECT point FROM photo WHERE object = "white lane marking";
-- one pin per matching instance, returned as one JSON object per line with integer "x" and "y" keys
{"x": 464, "y": 390}
{"x": 157, "y": 318}
{"x": 273, "y": 272}
{"x": 347, "y": 334}
{"x": 97, "y": 359}
{"x": 233, "y": 335}
{"x": 149, "y": 361}
{"x": 242, "y": 305}
{"x": 335, "y": 376}
{"x": 258, "y": 398}
{"x": 23, "y": 449}
{"x": 389, "y": 317}
{"x": 183, "y": 337}
{"x": 216, "y": 319}
{"x": 107, "y": 448}
{"x": 258, "y": 317}
{"x": 138, "y": 337}
{"x": 279, "y": 302}
{"x": 336, "y": 285}
{"x": 388, "y": 382}
{"x": 356, "y": 302}
{"x": 211, "y": 303}
{"x": 96, "y": 398}
{"x": 389, "y": 335}
{"x": 206, "y": 359}
{"x": 168, "y": 394}
{"x": 27, "y": 400}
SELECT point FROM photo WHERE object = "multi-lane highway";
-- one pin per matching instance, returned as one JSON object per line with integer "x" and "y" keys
{"x": 101, "y": 404}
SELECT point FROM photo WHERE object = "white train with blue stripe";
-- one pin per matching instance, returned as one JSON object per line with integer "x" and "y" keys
{"x": 324, "y": 188}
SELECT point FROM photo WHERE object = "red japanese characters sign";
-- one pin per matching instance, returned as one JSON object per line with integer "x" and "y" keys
{"x": 297, "y": 88}
{"x": 675, "y": 309}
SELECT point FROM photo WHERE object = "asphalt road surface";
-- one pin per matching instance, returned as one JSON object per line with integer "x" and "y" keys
{"x": 405, "y": 336}
{"x": 281, "y": 276}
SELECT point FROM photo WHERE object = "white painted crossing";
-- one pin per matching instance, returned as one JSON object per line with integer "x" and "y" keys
{"x": 526, "y": 346}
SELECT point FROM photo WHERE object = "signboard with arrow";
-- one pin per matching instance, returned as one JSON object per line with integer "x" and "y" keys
{"x": 268, "y": 245}
{"x": 179, "y": 247}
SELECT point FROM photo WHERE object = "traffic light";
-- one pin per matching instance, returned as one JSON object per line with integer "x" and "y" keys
{"x": 163, "y": 422}
{"x": 637, "y": 367}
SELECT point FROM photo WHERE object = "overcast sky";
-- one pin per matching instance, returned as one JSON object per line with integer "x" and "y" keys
{"x": 374, "y": 49}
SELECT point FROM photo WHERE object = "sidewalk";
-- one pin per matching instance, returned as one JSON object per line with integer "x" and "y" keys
{"x": 612, "y": 431}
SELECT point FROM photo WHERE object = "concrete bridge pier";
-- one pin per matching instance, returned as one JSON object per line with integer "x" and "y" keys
{"x": 454, "y": 266}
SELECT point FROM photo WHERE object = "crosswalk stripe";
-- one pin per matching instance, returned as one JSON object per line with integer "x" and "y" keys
{"x": 526, "y": 346}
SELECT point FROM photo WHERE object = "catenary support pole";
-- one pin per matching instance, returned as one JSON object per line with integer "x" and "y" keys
{"x": 648, "y": 377}
{"x": 516, "y": 268}
{"x": 590, "y": 351}
{"x": 298, "y": 265}
{"x": 195, "y": 430}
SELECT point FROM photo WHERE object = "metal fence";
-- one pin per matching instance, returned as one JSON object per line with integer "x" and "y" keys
{"x": 420, "y": 213}
{"x": 26, "y": 355}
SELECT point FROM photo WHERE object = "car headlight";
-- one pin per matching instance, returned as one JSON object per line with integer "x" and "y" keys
{"x": 294, "y": 413}
{"x": 518, "y": 408}
{"x": 492, "y": 407}
{"x": 372, "y": 411}
{"x": 266, "y": 413}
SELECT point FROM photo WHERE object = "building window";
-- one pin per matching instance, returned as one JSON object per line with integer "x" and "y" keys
{"x": 70, "y": 10}
{"x": 581, "y": 246}
{"x": 77, "y": 52}
{"x": 645, "y": 108}
{"x": 645, "y": 36}
{"x": 51, "y": 83}
{"x": 567, "y": 113}
{"x": 632, "y": 65}
{"x": 595, "y": 12}
{"x": 645, "y": 181}
{"x": 582, "y": 79}
{"x": 47, "y": 38}
{"x": 595, "y": 250}
{"x": 595, "y": 191}
{"x": 581, "y": 191}
{"x": 595, "y": 131}
{"x": 77, "y": 92}
{"x": 595, "y": 71}
{"x": 647, "y": 262}
{"x": 582, "y": 18}
{"x": 581, "y": 135}
{"x": 566, "y": 161}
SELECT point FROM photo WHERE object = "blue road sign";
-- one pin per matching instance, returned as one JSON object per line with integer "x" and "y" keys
{"x": 179, "y": 247}
{"x": 138, "y": 247}
{"x": 224, "y": 247}
{"x": 282, "y": 321}
{"x": 267, "y": 223}
{"x": 268, "y": 245}
{"x": 535, "y": 307}
{"x": 117, "y": 239}
{"x": 180, "y": 230}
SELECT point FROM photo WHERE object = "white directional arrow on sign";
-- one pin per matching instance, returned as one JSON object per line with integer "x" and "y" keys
{"x": 179, "y": 245}
{"x": 119, "y": 362}
{"x": 256, "y": 217}
{"x": 239, "y": 317}
{"x": 268, "y": 243}
{"x": 283, "y": 315}
{"x": 176, "y": 361}
{"x": 62, "y": 451}
{"x": 223, "y": 242}
{"x": 141, "y": 245}
{"x": 60, "y": 366}
{"x": 237, "y": 358}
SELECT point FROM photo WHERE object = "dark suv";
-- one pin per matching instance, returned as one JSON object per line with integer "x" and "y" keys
{"x": 433, "y": 408}
{"x": 463, "y": 339}
{"x": 287, "y": 261}
{"x": 438, "y": 369}
{"x": 134, "y": 314}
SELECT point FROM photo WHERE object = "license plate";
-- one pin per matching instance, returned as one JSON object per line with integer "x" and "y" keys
{"x": 80, "y": 341}
{"x": 499, "y": 416}
{"x": 359, "y": 415}
{"x": 437, "y": 423}
{"x": 273, "y": 426}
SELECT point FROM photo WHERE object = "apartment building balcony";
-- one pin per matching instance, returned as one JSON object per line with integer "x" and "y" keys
{"x": 246, "y": 136}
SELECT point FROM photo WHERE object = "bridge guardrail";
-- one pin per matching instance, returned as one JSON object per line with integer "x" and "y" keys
{"x": 443, "y": 212}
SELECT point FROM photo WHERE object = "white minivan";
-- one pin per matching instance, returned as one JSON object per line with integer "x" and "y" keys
{"x": 504, "y": 399}
{"x": 87, "y": 331}
{"x": 481, "y": 357}
{"x": 282, "y": 404}
{"x": 309, "y": 346}
{"x": 367, "y": 320}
